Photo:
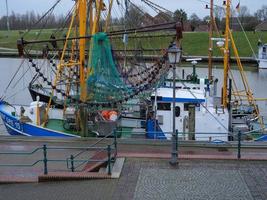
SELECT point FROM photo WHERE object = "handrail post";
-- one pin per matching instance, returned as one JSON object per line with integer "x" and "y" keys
{"x": 176, "y": 141}
{"x": 109, "y": 159}
{"x": 72, "y": 163}
{"x": 45, "y": 159}
{"x": 115, "y": 144}
{"x": 239, "y": 145}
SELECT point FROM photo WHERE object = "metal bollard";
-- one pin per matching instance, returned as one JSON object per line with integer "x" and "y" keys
{"x": 109, "y": 159}
{"x": 45, "y": 159}
{"x": 176, "y": 140}
{"x": 239, "y": 145}
{"x": 72, "y": 163}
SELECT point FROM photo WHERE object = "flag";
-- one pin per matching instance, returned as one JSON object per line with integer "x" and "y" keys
{"x": 238, "y": 7}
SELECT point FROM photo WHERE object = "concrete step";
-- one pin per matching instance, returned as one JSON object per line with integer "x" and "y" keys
{"x": 95, "y": 166}
{"x": 117, "y": 168}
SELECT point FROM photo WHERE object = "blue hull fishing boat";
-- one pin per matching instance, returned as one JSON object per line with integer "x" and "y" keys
{"x": 82, "y": 76}
{"x": 16, "y": 125}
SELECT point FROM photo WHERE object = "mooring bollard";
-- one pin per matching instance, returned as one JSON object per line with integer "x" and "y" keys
{"x": 239, "y": 145}
{"x": 72, "y": 163}
{"x": 109, "y": 159}
{"x": 45, "y": 159}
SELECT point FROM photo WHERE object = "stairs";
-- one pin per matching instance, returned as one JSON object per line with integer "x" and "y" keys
{"x": 97, "y": 170}
{"x": 95, "y": 166}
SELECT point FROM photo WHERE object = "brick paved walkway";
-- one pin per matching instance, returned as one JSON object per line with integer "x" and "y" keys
{"x": 251, "y": 175}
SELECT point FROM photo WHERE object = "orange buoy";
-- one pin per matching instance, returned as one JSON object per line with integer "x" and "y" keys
{"x": 109, "y": 115}
{"x": 113, "y": 115}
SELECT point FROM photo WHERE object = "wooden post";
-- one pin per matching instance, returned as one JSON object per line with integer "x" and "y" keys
{"x": 192, "y": 121}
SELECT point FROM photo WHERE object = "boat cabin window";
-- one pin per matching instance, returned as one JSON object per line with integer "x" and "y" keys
{"x": 187, "y": 88}
{"x": 177, "y": 111}
{"x": 264, "y": 54}
{"x": 164, "y": 106}
{"x": 159, "y": 98}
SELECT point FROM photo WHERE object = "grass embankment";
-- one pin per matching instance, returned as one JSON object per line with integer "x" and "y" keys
{"x": 9, "y": 39}
{"x": 195, "y": 43}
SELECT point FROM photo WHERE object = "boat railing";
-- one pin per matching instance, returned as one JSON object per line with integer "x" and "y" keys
{"x": 108, "y": 152}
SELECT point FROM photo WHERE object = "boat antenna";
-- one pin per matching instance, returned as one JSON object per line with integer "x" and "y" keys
{"x": 210, "y": 51}
{"x": 7, "y": 18}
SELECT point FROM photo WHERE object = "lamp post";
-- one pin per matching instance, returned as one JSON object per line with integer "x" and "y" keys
{"x": 174, "y": 55}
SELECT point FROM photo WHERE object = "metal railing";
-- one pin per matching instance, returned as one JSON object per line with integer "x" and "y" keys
{"x": 208, "y": 140}
{"x": 110, "y": 149}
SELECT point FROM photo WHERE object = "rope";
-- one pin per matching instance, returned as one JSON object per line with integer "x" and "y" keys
{"x": 243, "y": 30}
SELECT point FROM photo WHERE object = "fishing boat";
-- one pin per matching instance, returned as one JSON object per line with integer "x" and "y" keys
{"x": 199, "y": 114}
{"x": 89, "y": 72}
{"x": 191, "y": 107}
{"x": 86, "y": 80}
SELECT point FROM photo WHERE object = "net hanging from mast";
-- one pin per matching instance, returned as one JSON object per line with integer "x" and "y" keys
{"x": 104, "y": 83}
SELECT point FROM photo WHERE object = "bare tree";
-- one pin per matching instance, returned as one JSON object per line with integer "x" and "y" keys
{"x": 261, "y": 14}
{"x": 195, "y": 21}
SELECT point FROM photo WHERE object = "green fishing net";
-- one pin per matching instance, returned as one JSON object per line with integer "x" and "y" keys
{"x": 104, "y": 83}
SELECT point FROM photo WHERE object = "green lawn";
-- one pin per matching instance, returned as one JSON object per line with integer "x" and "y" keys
{"x": 9, "y": 39}
{"x": 193, "y": 43}
{"x": 197, "y": 43}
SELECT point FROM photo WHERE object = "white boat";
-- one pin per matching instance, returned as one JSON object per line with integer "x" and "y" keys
{"x": 209, "y": 121}
{"x": 262, "y": 56}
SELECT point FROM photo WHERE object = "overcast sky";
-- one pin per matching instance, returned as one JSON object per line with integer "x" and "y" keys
{"x": 190, "y": 6}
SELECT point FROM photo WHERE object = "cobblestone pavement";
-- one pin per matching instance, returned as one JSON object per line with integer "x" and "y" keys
{"x": 191, "y": 184}
{"x": 149, "y": 178}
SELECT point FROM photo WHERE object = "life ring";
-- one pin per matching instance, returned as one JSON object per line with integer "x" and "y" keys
{"x": 110, "y": 115}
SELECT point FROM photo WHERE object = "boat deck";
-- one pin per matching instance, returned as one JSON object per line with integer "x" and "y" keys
{"x": 57, "y": 125}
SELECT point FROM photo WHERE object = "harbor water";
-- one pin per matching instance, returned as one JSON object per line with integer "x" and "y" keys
{"x": 17, "y": 92}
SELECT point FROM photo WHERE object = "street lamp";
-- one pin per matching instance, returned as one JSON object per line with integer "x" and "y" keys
{"x": 174, "y": 56}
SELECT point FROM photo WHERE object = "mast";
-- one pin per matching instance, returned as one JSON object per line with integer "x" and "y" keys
{"x": 7, "y": 17}
{"x": 82, "y": 29}
{"x": 226, "y": 54}
{"x": 210, "y": 41}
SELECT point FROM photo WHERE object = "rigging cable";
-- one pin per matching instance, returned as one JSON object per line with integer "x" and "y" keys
{"x": 243, "y": 30}
{"x": 41, "y": 18}
{"x": 13, "y": 77}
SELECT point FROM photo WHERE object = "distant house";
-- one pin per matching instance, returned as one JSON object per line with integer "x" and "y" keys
{"x": 261, "y": 27}
{"x": 202, "y": 28}
{"x": 248, "y": 23}
{"x": 187, "y": 26}
{"x": 162, "y": 17}
{"x": 147, "y": 20}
